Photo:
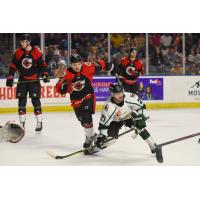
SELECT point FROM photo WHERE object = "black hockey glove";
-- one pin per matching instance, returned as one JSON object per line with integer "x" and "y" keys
{"x": 140, "y": 122}
{"x": 45, "y": 78}
{"x": 9, "y": 81}
{"x": 63, "y": 88}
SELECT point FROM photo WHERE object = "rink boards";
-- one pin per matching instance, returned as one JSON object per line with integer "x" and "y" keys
{"x": 167, "y": 92}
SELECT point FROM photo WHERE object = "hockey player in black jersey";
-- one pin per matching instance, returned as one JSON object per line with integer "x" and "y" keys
{"x": 29, "y": 63}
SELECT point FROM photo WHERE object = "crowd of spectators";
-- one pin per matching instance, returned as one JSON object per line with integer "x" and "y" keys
{"x": 121, "y": 42}
{"x": 192, "y": 61}
{"x": 165, "y": 54}
{"x": 90, "y": 46}
{"x": 165, "y": 50}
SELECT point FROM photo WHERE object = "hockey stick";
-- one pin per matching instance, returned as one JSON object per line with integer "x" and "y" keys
{"x": 30, "y": 81}
{"x": 82, "y": 150}
{"x": 118, "y": 80}
{"x": 158, "y": 149}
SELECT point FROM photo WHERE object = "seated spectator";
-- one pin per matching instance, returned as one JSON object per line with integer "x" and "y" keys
{"x": 166, "y": 40}
{"x": 191, "y": 57}
{"x": 53, "y": 63}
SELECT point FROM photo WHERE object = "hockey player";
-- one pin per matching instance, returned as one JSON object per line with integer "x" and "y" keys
{"x": 129, "y": 69}
{"x": 120, "y": 109}
{"x": 77, "y": 80}
{"x": 11, "y": 132}
{"x": 28, "y": 61}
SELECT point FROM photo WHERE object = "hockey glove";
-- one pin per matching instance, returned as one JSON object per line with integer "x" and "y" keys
{"x": 140, "y": 122}
{"x": 9, "y": 81}
{"x": 62, "y": 87}
{"x": 45, "y": 78}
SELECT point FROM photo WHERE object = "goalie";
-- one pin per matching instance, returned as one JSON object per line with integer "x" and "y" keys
{"x": 120, "y": 109}
{"x": 11, "y": 132}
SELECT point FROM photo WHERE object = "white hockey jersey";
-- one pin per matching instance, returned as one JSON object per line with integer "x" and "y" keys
{"x": 113, "y": 112}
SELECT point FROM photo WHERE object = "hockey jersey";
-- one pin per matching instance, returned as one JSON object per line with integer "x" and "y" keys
{"x": 113, "y": 112}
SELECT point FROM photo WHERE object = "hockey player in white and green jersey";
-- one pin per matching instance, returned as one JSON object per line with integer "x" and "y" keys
{"x": 122, "y": 109}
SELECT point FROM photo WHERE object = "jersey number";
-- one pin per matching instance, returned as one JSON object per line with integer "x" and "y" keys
{"x": 103, "y": 118}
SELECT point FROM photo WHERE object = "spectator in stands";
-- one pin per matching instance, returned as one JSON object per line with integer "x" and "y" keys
{"x": 155, "y": 39}
{"x": 191, "y": 57}
{"x": 116, "y": 40}
{"x": 3, "y": 69}
{"x": 119, "y": 55}
{"x": 53, "y": 63}
{"x": 139, "y": 41}
{"x": 166, "y": 40}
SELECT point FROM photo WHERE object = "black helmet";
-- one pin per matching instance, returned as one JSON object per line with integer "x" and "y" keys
{"x": 75, "y": 58}
{"x": 133, "y": 49}
{"x": 25, "y": 37}
{"x": 115, "y": 88}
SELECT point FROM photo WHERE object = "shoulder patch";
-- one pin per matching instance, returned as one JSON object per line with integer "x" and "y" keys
{"x": 106, "y": 107}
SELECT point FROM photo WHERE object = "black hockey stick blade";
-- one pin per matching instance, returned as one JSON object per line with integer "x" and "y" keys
{"x": 158, "y": 151}
{"x": 51, "y": 154}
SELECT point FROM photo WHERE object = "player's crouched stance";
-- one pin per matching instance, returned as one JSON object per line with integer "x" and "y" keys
{"x": 120, "y": 109}
{"x": 11, "y": 132}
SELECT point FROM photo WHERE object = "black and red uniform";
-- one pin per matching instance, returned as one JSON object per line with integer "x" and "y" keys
{"x": 79, "y": 85}
{"x": 129, "y": 71}
{"x": 29, "y": 65}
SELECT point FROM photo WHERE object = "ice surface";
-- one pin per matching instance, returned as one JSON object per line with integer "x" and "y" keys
{"x": 63, "y": 134}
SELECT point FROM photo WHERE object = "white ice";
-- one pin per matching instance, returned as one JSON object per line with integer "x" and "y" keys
{"x": 63, "y": 134}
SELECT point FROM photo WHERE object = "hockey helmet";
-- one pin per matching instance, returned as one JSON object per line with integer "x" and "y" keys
{"x": 133, "y": 49}
{"x": 115, "y": 88}
{"x": 75, "y": 58}
{"x": 25, "y": 37}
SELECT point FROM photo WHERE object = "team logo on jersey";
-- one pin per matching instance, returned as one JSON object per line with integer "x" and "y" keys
{"x": 27, "y": 63}
{"x": 78, "y": 85}
{"x": 130, "y": 70}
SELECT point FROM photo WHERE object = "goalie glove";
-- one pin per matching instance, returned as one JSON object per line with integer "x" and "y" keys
{"x": 11, "y": 132}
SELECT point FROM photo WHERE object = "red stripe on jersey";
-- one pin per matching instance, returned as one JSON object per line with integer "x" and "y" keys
{"x": 32, "y": 77}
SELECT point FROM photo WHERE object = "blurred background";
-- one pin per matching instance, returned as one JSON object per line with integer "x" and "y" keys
{"x": 161, "y": 53}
